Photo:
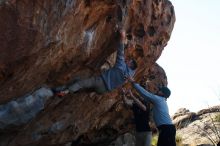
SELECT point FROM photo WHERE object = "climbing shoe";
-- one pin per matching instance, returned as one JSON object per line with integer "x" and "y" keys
{"x": 62, "y": 93}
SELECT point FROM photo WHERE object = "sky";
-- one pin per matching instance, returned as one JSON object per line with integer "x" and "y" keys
{"x": 191, "y": 59}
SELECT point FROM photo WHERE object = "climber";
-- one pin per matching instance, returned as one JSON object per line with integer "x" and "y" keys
{"x": 167, "y": 130}
{"x": 109, "y": 79}
{"x": 143, "y": 133}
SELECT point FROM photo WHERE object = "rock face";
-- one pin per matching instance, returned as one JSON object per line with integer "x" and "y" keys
{"x": 201, "y": 128}
{"x": 51, "y": 42}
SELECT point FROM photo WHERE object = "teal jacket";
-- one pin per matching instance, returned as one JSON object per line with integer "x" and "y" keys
{"x": 115, "y": 76}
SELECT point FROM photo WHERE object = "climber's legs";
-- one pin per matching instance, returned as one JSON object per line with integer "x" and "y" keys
{"x": 167, "y": 135}
{"x": 94, "y": 82}
{"x": 143, "y": 138}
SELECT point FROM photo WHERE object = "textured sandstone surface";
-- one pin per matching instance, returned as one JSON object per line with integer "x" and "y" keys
{"x": 199, "y": 128}
{"x": 49, "y": 42}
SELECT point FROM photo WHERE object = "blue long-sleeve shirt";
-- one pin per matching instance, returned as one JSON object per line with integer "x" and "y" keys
{"x": 115, "y": 76}
{"x": 160, "y": 108}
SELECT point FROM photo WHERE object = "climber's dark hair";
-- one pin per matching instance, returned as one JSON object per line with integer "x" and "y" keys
{"x": 134, "y": 64}
{"x": 166, "y": 91}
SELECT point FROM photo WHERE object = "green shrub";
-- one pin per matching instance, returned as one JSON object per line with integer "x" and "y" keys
{"x": 217, "y": 118}
{"x": 179, "y": 140}
{"x": 154, "y": 140}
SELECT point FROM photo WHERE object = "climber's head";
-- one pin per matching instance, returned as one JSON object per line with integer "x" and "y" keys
{"x": 164, "y": 91}
{"x": 132, "y": 64}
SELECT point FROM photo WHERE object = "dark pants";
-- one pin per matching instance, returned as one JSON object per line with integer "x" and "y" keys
{"x": 167, "y": 134}
{"x": 143, "y": 138}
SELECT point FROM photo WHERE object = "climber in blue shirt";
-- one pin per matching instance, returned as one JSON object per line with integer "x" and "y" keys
{"x": 109, "y": 79}
{"x": 167, "y": 130}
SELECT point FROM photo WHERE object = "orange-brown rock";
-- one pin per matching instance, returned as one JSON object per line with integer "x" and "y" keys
{"x": 51, "y": 42}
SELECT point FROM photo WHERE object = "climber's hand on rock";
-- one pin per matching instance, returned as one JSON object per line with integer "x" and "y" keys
{"x": 123, "y": 36}
{"x": 123, "y": 91}
{"x": 130, "y": 79}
